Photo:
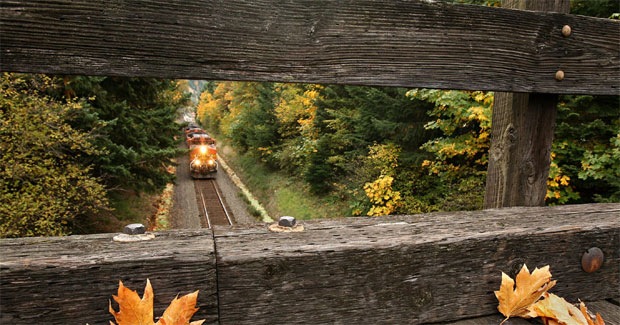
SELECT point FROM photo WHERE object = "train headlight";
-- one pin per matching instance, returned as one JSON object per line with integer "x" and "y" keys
{"x": 203, "y": 149}
{"x": 197, "y": 162}
{"x": 211, "y": 162}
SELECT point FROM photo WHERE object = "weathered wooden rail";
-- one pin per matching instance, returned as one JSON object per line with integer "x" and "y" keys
{"x": 391, "y": 43}
{"x": 406, "y": 269}
{"x": 395, "y": 270}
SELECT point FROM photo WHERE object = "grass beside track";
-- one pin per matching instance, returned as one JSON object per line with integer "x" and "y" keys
{"x": 280, "y": 194}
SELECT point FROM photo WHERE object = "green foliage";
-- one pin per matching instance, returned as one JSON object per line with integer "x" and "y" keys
{"x": 464, "y": 119}
{"x": 585, "y": 147}
{"x": 459, "y": 153}
{"x": 44, "y": 184}
{"x": 389, "y": 150}
{"x": 282, "y": 195}
{"x": 602, "y": 164}
{"x": 244, "y": 113}
{"x": 322, "y": 133}
{"x": 135, "y": 121}
{"x": 596, "y": 8}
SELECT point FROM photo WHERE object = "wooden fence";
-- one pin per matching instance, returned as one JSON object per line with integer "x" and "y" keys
{"x": 393, "y": 270}
{"x": 408, "y": 269}
{"x": 412, "y": 43}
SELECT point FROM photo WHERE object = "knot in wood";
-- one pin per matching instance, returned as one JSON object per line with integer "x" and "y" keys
{"x": 559, "y": 75}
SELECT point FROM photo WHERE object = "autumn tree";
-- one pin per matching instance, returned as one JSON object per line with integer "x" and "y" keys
{"x": 329, "y": 136}
{"x": 460, "y": 152}
{"x": 44, "y": 183}
{"x": 295, "y": 110}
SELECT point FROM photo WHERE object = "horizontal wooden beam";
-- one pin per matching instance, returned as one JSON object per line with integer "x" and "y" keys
{"x": 410, "y": 269}
{"x": 417, "y": 43}
{"x": 70, "y": 280}
{"x": 397, "y": 270}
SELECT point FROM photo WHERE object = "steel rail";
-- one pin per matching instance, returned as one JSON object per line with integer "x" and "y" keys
{"x": 219, "y": 198}
{"x": 204, "y": 207}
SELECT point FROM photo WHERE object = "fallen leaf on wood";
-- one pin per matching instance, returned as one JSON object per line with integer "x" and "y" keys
{"x": 598, "y": 320}
{"x": 181, "y": 311}
{"x": 561, "y": 311}
{"x": 517, "y": 300}
{"x": 134, "y": 310}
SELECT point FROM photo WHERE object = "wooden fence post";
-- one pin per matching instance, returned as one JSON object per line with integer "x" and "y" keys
{"x": 522, "y": 134}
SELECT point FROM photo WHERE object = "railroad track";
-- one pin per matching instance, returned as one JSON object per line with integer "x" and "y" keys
{"x": 213, "y": 211}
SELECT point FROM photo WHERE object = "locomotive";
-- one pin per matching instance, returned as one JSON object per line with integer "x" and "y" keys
{"x": 202, "y": 155}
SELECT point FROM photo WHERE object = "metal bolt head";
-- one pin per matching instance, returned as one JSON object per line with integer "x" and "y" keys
{"x": 134, "y": 229}
{"x": 592, "y": 259}
{"x": 287, "y": 221}
{"x": 559, "y": 75}
{"x": 566, "y": 31}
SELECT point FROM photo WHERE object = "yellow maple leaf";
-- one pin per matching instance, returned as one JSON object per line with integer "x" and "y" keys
{"x": 518, "y": 300}
{"x": 556, "y": 310}
{"x": 133, "y": 310}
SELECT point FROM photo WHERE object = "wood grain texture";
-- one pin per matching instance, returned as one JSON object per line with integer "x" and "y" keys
{"x": 70, "y": 280}
{"x": 491, "y": 320}
{"x": 609, "y": 311}
{"x": 438, "y": 267}
{"x": 410, "y": 269}
{"x": 521, "y": 137}
{"x": 520, "y": 152}
{"x": 412, "y": 43}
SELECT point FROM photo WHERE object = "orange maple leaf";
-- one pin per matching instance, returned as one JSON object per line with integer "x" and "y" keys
{"x": 132, "y": 309}
{"x": 136, "y": 311}
{"x": 181, "y": 311}
{"x": 517, "y": 301}
{"x": 598, "y": 320}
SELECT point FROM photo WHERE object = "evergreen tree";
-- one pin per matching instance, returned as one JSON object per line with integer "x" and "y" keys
{"x": 135, "y": 118}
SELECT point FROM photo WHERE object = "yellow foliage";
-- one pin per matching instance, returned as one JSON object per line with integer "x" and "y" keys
{"x": 384, "y": 200}
{"x": 296, "y": 109}
{"x": 558, "y": 184}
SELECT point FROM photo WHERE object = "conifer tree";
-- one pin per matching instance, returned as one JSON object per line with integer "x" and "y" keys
{"x": 136, "y": 125}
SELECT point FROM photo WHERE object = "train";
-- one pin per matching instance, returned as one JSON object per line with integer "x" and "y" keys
{"x": 202, "y": 153}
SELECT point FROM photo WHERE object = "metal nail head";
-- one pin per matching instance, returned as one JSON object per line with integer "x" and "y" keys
{"x": 592, "y": 259}
{"x": 134, "y": 229}
{"x": 566, "y": 31}
{"x": 287, "y": 221}
{"x": 559, "y": 75}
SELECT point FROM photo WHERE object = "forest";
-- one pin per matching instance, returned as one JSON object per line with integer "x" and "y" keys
{"x": 404, "y": 151}
{"x": 76, "y": 148}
